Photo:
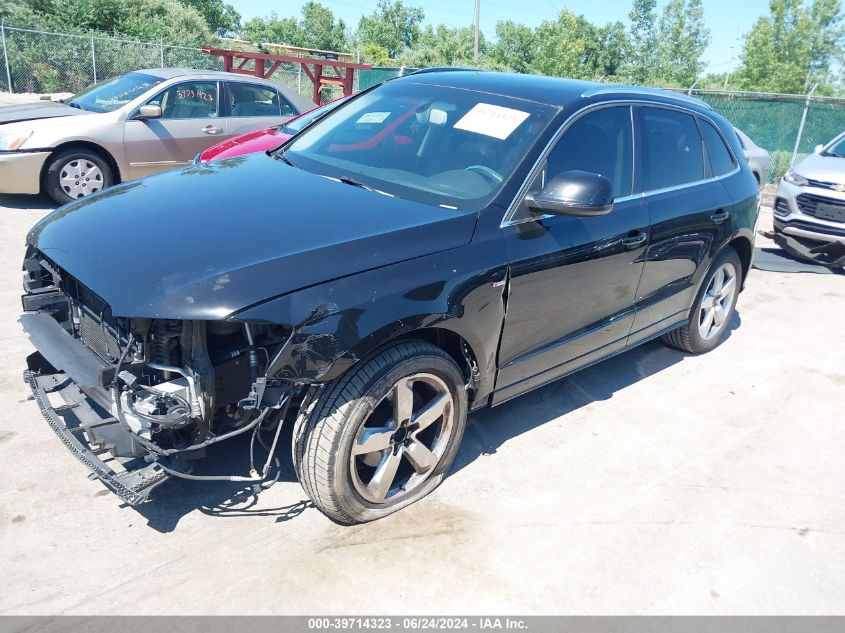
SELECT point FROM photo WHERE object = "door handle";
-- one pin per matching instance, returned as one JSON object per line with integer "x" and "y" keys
{"x": 720, "y": 216}
{"x": 210, "y": 129}
{"x": 633, "y": 241}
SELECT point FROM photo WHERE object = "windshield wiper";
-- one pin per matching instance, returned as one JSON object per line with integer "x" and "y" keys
{"x": 73, "y": 104}
{"x": 348, "y": 180}
{"x": 280, "y": 156}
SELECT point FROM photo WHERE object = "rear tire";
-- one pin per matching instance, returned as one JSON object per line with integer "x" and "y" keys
{"x": 74, "y": 173}
{"x": 714, "y": 307}
{"x": 355, "y": 461}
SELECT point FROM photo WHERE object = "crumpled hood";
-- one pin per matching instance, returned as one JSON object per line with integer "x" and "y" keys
{"x": 824, "y": 168}
{"x": 36, "y": 110}
{"x": 208, "y": 240}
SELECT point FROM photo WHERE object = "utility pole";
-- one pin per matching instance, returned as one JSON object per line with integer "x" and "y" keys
{"x": 6, "y": 57}
{"x": 801, "y": 126}
{"x": 477, "y": 18}
{"x": 695, "y": 83}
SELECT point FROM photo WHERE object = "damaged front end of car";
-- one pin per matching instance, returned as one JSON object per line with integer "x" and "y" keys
{"x": 139, "y": 400}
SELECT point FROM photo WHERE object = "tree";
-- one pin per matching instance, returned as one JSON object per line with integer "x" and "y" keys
{"x": 393, "y": 26}
{"x": 170, "y": 20}
{"x": 272, "y": 29}
{"x": 375, "y": 55}
{"x": 793, "y": 47}
{"x": 643, "y": 41}
{"x": 444, "y": 46}
{"x": 220, "y": 17}
{"x": 612, "y": 46}
{"x": 565, "y": 46}
{"x": 515, "y": 47}
{"x": 682, "y": 39}
{"x": 320, "y": 30}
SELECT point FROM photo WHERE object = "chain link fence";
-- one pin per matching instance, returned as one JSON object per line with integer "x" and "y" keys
{"x": 43, "y": 62}
{"x": 774, "y": 122}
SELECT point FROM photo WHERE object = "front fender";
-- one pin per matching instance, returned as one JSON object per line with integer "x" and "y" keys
{"x": 337, "y": 323}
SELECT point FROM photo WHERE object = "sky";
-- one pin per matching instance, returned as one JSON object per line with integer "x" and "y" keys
{"x": 726, "y": 19}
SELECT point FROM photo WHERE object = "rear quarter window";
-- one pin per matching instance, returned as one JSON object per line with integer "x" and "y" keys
{"x": 720, "y": 159}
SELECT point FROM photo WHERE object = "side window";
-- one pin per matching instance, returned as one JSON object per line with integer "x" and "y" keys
{"x": 599, "y": 142}
{"x": 719, "y": 156}
{"x": 672, "y": 151}
{"x": 188, "y": 100}
{"x": 246, "y": 100}
{"x": 287, "y": 108}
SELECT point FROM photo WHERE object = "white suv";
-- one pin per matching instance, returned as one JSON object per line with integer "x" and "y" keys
{"x": 810, "y": 201}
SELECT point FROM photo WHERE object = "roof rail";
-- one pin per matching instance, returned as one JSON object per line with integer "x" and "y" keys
{"x": 640, "y": 90}
{"x": 443, "y": 69}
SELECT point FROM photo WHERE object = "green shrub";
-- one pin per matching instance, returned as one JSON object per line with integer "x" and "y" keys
{"x": 780, "y": 164}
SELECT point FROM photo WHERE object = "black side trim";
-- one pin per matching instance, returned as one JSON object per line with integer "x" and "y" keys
{"x": 28, "y": 150}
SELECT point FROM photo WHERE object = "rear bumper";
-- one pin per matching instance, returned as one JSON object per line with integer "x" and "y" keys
{"x": 88, "y": 432}
{"x": 20, "y": 172}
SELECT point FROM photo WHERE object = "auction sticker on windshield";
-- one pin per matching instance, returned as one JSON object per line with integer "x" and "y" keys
{"x": 373, "y": 117}
{"x": 491, "y": 120}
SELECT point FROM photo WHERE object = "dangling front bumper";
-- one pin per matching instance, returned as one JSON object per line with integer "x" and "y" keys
{"x": 67, "y": 381}
{"x": 89, "y": 433}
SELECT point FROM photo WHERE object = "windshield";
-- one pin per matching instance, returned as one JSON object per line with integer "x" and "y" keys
{"x": 837, "y": 148}
{"x": 113, "y": 94}
{"x": 295, "y": 125}
{"x": 432, "y": 144}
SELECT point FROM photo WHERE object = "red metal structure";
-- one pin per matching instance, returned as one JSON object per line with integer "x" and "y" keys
{"x": 340, "y": 73}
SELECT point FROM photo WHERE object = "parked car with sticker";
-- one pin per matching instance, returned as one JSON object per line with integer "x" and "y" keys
{"x": 443, "y": 242}
{"x": 135, "y": 125}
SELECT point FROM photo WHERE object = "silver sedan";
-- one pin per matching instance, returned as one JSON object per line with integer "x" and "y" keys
{"x": 135, "y": 125}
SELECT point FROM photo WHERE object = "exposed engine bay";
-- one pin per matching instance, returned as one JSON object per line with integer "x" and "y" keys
{"x": 151, "y": 393}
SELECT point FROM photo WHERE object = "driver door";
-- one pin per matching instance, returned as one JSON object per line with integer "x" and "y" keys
{"x": 573, "y": 280}
{"x": 190, "y": 123}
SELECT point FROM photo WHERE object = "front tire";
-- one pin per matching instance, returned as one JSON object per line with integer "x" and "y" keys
{"x": 713, "y": 308}
{"x": 75, "y": 173}
{"x": 384, "y": 435}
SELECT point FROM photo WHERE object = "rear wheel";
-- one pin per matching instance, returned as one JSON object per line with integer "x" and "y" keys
{"x": 384, "y": 435}
{"x": 714, "y": 307}
{"x": 76, "y": 173}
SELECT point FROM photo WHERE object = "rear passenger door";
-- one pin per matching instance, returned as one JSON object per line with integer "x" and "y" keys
{"x": 190, "y": 123}
{"x": 255, "y": 106}
{"x": 689, "y": 209}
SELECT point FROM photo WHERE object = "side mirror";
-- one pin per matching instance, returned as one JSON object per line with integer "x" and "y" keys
{"x": 818, "y": 149}
{"x": 149, "y": 111}
{"x": 578, "y": 193}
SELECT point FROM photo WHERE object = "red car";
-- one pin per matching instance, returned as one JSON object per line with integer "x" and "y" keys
{"x": 266, "y": 139}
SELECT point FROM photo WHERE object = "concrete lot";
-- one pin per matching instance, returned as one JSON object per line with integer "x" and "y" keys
{"x": 654, "y": 483}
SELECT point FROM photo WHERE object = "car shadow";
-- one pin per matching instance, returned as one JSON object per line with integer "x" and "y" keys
{"x": 487, "y": 430}
{"x": 178, "y": 497}
{"x": 26, "y": 202}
